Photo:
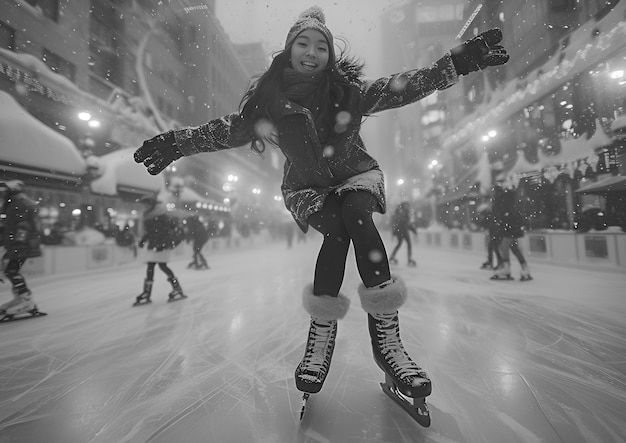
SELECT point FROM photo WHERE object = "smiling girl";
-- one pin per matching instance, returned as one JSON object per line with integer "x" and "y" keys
{"x": 310, "y": 104}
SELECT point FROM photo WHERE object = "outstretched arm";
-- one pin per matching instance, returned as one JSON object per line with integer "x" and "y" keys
{"x": 223, "y": 133}
{"x": 408, "y": 87}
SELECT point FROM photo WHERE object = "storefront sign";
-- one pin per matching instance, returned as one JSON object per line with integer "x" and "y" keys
{"x": 31, "y": 84}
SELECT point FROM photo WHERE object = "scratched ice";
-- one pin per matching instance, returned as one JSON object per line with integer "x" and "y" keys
{"x": 539, "y": 361}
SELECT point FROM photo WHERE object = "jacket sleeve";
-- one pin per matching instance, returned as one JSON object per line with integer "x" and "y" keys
{"x": 407, "y": 87}
{"x": 221, "y": 133}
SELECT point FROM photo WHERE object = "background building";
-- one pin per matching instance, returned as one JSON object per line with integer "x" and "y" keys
{"x": 106, "y": 75}
{"x": 419, "y": 32}
{"x": 548, "y": 122}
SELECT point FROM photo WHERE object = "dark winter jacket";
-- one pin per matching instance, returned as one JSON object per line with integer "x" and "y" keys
{"x": 401, "y": 222}
{"x": 162, "y": 231}
{"x": 196, "y": 232}
{"x": 20, "y": 236}
{"x": 313, "y": 171}
{"x": 486, "y": 220}
{"x": 507, "y": 217}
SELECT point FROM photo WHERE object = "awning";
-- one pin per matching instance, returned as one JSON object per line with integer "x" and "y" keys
{"x": 614, "y": 183}
{"x": 28, "y": 142}
{"x": 119, "y": 170}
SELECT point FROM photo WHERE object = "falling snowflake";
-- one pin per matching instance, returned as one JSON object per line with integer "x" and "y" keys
{"x": 328, "y": 151}
{"x": 376, "y": 256}
{"x": 398, "y": 83}
{"x": 263, "y": 129}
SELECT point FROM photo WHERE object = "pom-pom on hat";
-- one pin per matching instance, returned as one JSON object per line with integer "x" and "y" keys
{"x": 312, "y": 18}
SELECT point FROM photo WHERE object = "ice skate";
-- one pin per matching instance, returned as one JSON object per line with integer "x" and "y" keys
{"x": 525, "y": 275}
{"x": 177, "y": 291}
{"x": 144, "y": 297}
{"x": 21, "y": 307}
{"x": 412, "y": 263}
{"x": 405, "y": 382}
{"x": 503, "y": 272}
{"x": 393, "y": 261}
{"x": 325, "y": 310}
{"x": 487, "y": 265}
{"x": 203, "y": 263}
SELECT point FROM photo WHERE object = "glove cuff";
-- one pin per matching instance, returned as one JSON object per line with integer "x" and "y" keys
{"x": 466, "y": 57}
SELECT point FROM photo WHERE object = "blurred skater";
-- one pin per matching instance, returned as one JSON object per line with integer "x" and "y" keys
{"x": 493, "y": 239}
{"x": 21, "y": 241}
{"x": 402, "y": 227}
{"x": 161, "y": 235}
{"x": 510, "y": 220}
{"x": 199, "y": 236}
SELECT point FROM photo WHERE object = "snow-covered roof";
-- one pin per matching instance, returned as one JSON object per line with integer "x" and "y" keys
{"x": 26, "y": 140}
{"x": 119, "y": 168}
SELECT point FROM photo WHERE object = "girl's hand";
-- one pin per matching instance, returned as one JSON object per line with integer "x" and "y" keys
{"x": 478, "y": 53}
{"x": 158, "y": 152}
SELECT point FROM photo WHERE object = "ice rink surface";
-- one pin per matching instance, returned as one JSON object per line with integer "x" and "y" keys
{"x": 534, "y": 362}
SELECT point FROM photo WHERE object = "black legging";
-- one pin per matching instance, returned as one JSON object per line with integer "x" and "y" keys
{"x": 509, "y": 243}
{"x": 493, "y": 248}
{"x": 162, "y": 266}
{"x": 12, "y": 271}
{"x": 198, "y": 258}
{"x": 343, "y": 219}
{"x": 403, "y": 236}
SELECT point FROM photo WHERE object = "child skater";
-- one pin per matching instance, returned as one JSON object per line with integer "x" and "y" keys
{"x": 161, "y": 237}
{"x": 313, "y": 103}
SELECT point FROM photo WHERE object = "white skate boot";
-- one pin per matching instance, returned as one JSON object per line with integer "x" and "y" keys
{"x": 503, "y": 272}
{"x": 17, "y": 308}
{"x": 525, "y": 275}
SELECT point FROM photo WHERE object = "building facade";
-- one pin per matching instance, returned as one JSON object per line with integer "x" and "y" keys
{"x": 108, "y": 74}
{"x": 549, "y": 121}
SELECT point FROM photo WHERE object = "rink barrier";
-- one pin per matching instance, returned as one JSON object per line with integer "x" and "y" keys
{"x": 79, "y": 258}
{"x": 596, "y": 249}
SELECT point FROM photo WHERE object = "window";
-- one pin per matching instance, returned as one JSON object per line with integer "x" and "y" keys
{"x": 49, "y": 8}
{"x": 562, "y": 5}
{"x": 7, "y": 37}
{"x": 59, "y": 65}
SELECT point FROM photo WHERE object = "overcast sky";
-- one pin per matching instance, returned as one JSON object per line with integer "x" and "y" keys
{"x": 268, "y": 21}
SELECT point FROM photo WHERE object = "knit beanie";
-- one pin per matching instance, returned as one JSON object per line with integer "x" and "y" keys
{"x": 312, "y": 18}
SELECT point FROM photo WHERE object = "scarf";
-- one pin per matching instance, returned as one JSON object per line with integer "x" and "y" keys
{"x": 302, "y": 89}
{"x": 299, "y": 87}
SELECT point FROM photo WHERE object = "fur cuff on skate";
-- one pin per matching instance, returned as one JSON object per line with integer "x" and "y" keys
{"x": 379, "y": 300}
{"x": 324, "y": 307}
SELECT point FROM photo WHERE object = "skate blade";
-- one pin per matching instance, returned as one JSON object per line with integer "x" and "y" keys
{"x": 176, "y": 298}
{"x": 416, "y": 407}
{"x": 139, "y": 303}
{"x": 525, "y": 278}
{"x": 495, "y": 277}
{"x": 305, "y": 399}
{"x": 22, "y": 316}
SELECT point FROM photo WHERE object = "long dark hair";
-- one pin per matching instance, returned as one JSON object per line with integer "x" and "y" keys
{"x": 260, "y": 102}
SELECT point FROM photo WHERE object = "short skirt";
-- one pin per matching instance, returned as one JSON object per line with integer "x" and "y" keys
{"x": 158, "y": 256}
